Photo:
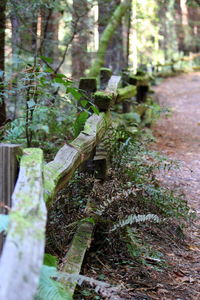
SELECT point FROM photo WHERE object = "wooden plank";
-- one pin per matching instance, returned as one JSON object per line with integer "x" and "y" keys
{"x": 113, "y": 84}
{"x": 23, "y": 251}
{"x": 8, "y": 172}
{"x": 74, "y": 258}
{"x": 59, "y": 171}
{"x": 8, "y": 175}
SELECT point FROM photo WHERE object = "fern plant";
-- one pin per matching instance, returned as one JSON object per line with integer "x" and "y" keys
{"x": 52, "y": 287}
{"x": 131, "y": 219}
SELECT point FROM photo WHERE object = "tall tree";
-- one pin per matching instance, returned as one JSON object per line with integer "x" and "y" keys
{"x": 107, "y": 35}
{"x": 49, "y": 33}
{"x": 2, "y": 60}
{"x": 79, "y": 44}
{"x": 114, "y": 57}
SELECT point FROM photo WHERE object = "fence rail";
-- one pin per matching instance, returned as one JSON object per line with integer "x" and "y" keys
{"x": 23, "y": 249}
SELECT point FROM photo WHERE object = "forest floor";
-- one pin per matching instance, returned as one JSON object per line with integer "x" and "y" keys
{"x": 178, "y": 137}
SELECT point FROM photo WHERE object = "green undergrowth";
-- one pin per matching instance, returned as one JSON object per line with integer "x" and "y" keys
{"x": 132, "y": 210}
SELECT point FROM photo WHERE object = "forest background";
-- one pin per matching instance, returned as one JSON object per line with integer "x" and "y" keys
{"x": 46, "y": 46}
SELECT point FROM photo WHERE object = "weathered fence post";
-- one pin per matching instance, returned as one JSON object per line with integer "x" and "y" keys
{"x": 105, "y": 75}
{"x": 8, "y": 174}
{"x": 104, "y": 100}
{"x": 23, "y": 251}
{"x": 142, "y": 90}
{"x": 127, "y": 104}
{"x": 87, "y": 86}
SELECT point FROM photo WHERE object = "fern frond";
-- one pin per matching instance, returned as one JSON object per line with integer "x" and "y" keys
{"x": 4, "y": 222}
{"x": 135, "y": 219}
{"x": 50, "y": 289}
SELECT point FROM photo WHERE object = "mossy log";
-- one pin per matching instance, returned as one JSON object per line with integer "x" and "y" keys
{"x": 58, "y": 172}
{"x": 23, "y": 251}
{"x": 107, "y": 36}
{"x": 126, "y": 92}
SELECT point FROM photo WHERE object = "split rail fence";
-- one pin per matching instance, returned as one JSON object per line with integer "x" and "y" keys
{"x": 35, "y": 185}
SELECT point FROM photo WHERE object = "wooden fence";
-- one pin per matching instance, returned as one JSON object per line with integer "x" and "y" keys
{"x": 37, "y": 185}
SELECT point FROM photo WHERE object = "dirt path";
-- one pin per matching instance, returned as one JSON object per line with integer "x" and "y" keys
{"x": 178, "y": 136}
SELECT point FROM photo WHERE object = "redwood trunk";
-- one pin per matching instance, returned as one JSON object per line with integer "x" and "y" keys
{"x": 2, "y": 59}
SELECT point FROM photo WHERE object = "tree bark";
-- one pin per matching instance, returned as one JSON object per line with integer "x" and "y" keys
{"x": 114, "y": 58}
{"x": 79, "y": 45}
{"x": 2, "y": 59}
{"x": 49, "y": 34}
{"x": 107, "y": 35}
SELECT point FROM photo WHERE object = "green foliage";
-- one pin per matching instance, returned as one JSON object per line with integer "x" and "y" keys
{"x": 51, "y": 284}
{"x": 50, "y": 289}
{"x": 50, "y": 260}
{"x": 4, "y": 222}
{"x": 80, "y": 122}
{"x": 47, "y": 105}
{"x": 141, "y": 251}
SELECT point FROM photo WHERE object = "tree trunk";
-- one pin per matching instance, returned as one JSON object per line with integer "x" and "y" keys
{"x": 2, "y": 59}
{"x": 107, "y": 36}
{"x": 79, "y": 45}
{"x": 132, "y": 37}
{"x": 49, "y": 34}
{"x": 114, "y": 58}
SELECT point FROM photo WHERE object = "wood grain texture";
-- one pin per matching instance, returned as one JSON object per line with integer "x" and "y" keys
{"x": 58, "y": 172}
{"x": 76, "y": 253}
{"x": 23, "y": 251}
{"x": 8, "y": 176}
{"x": 8, "y": 172}
{"x": 113, "y": 84}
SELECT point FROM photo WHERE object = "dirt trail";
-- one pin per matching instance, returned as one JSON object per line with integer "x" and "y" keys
{"x": 178, "y": 137}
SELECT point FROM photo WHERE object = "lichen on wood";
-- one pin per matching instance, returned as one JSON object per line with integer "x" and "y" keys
{"x": 58, "y": 172}
{"x": 23, "y": 251}
{"x": 74, "y": 258}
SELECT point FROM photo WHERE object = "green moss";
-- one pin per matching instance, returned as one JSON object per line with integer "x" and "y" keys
{"x": 103, "y": 95}
{"x": 107, "y": 35}
{"x": 126, "y": 92}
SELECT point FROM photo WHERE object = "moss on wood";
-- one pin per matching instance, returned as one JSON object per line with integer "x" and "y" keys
{"x": 126, "y": 92}
{"x": 103, "y": 100}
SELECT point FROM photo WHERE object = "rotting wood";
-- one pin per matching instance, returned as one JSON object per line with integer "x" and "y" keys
{"x": 74, "y": 258}
{"x": 58, "y": 172}
{"x": 23, "y": 251}
{"x": 8, "y": 175}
